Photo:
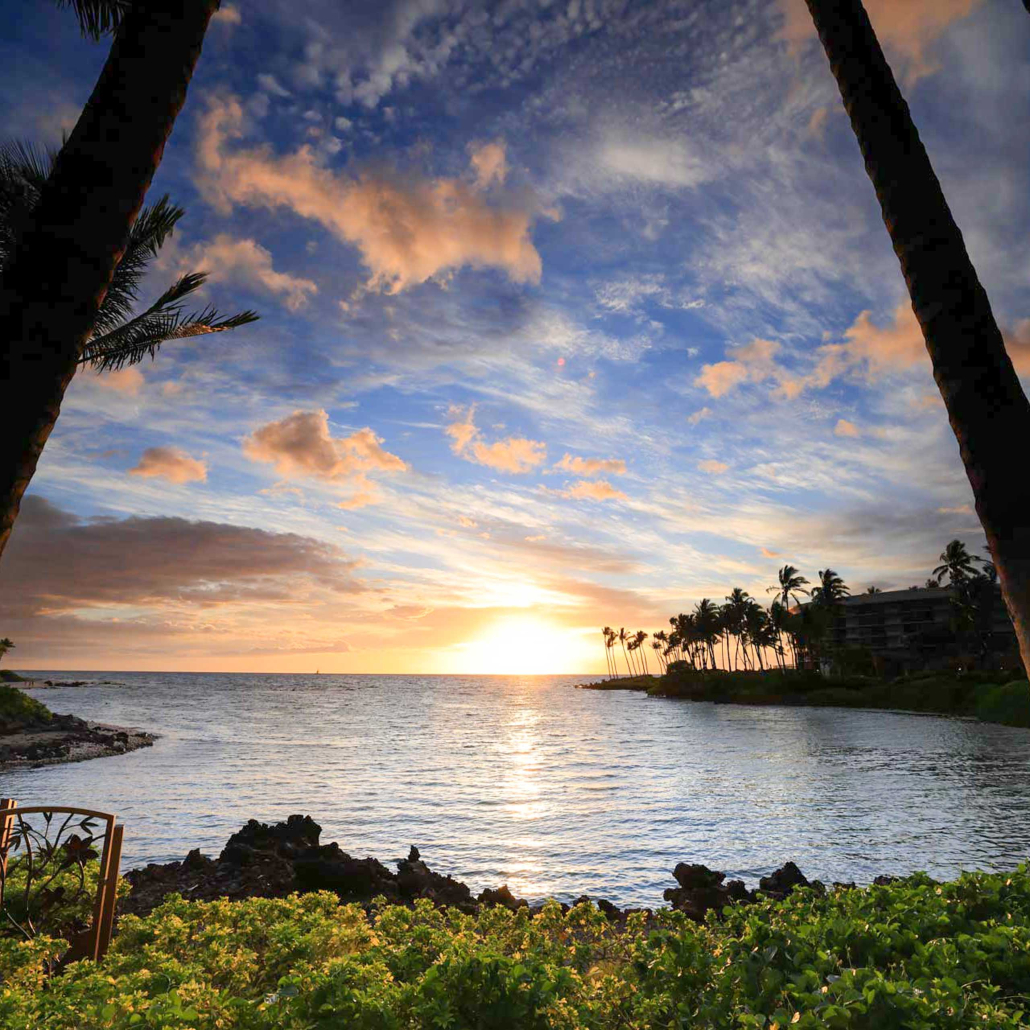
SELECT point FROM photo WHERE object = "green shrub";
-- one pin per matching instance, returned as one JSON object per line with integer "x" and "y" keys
{"x": 1008, "y": 703}
{"x": 18, "y": 709}
{"x": 914, "y": 954}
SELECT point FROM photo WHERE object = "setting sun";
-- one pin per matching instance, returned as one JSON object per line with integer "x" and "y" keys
{"x": 523, "y": 646}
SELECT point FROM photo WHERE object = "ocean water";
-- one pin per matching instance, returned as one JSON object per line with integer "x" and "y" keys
{"x": 552, "y": 790}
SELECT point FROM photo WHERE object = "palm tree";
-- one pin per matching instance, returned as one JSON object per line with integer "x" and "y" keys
{"x": 956, "y": 563}
{"x": 607, "y": 657}
{"x": 873, "y": 590}
{"x": 831, "y": 590}
{"x": 790, "y": 585}
{"x": 986, "y": 406}
{"x": 53, "y": 286}
{"x": 640, "y": 638}
{"x": 625, "y": 654}
{"x": 117, "y": 337}
{"x": 6, "y": 644}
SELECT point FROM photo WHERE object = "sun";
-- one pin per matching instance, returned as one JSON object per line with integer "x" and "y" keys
{"x": 523, "y": 645}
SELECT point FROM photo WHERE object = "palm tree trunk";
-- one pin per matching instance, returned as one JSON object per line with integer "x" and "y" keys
{"x": 987, "y": 408}
{"x": 53, "y": 287}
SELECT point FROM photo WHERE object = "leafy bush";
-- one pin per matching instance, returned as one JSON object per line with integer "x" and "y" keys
{"x": 1008, "y": 704}
{"x": 914, "y": 954}
{"x": 17, "y": 709}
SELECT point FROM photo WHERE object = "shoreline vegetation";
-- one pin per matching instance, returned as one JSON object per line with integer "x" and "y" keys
{"x": 363, "y": 947}
{"x": 995, "y": 697}
{"x": 32, "y": 736}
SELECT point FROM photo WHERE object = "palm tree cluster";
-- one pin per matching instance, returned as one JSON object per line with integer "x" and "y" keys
{"x": 742, "y": 635}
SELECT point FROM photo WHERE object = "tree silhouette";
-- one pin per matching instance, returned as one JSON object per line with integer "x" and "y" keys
{"x": 987, "y": 408}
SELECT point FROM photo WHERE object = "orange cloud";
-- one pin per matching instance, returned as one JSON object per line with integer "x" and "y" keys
{"x": 407, "y": 230}
{"x": 229, "y": 260}
{"x": 766, "y": 553}
{"x": 713, "y": 467}
{"x": 698, "y": 415}
{"x": 490, "y": 163}
{"x": 302, "y": 445}
{"x": 124, "y": 380}
{"x": 845, "y": 428}
{"x": 591, "y": 466}
{"x": 594, "y": 490}
{"x": 229, "y": 14}
{"x": 170, "y": 463}
{"x": 751, "y": 363}
{"x": 908, "y": 27}
{"x": 514, "y": 454}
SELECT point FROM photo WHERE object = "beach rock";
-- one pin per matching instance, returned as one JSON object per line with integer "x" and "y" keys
{"x": 781, "y": 882}
{"x": 291, "y": 839}
{"x": 702, "y": 890}
{"x": 416, "y": 880}
{"x": 501, "y": 896}
{"x": 328, "y": 868}
{"x": 692, "y": 877}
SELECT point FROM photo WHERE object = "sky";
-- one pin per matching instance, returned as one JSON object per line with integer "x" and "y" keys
{"x": 571, "y": 315}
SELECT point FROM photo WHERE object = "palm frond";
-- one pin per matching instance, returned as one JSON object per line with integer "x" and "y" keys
{"x": 131, "y": 342}
{"x": 153, "y": 225}
{"x": 97, "y": 17}
{"x": 24, "y": 170}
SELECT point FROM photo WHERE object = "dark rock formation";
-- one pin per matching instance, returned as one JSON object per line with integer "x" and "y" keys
{"x": 702, "y": 889}
{"x": 780, "y": 883}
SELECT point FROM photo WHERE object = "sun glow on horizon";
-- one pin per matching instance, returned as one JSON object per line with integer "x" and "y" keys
{"x": 522, "y": 645}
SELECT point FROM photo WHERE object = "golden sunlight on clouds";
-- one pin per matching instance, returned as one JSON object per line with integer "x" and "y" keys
{"x": 407, "y": 229}
{"x": 591, "y": 466}
{"x": 845, "y": 428}
{"x": 247, "y": 262}
{"x": 906, "y": 26}
{"x": 302, "y": 445}
{"x": 490, "y": 163}
{"x": 170, "y": 463}
{"x": 123, "y": 380}
{"x": 713, "y": 467}
{"x": 514, "y": 454}
{"x": 753, "y": 362}
{"x": 523, "y": 646}
{"x": 594, "y": 490}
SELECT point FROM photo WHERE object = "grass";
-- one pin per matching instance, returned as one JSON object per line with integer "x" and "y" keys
{"x": 18, "y": 710}
{"x": 10, "y": 676}
{"x": 914, "y": 954}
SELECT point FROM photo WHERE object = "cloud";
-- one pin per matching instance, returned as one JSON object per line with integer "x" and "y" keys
{"x": 909, "y": 27}
{"x": 170, "y": 463}
{"x": 270, "y": 84}
{"x": 57, "y": 562}
{"x": 407, "y": 229}
{"x": 713, "y": 467}
{"x": 591, "y": 466}
{"x": 515, "y": 454}
{"x": 845, "y": 428}
{"x": 226, "y": 259}
{"x": 961, "y": 509}
{"x": 698, "y": 415}
{"x": 490, "y": 163}
{"x": 227, "y": 14}
{"x": 659, "y": 162}
{"x": 766, "y": 553}
{"x": 302, "y": 445}
{"x": 123, "y": 380}
{"x": 751, "y": 363}
{"x": 594, "y": 490}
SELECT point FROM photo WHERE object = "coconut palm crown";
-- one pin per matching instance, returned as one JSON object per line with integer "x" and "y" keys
{"x": 119, "y": 336}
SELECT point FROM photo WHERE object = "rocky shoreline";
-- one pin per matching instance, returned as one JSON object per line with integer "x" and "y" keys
{"x": 67, "y": 738}
{"x": 263, "y": 861}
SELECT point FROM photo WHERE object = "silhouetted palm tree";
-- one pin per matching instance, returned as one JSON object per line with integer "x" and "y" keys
{"x": 873, "y": 590}
{"x": 607, "y": 645}
{"x": 118, "y": 337}
{"x": 641, "y": 638}
{"x": 956, "y": 563}
{"x": 831, "y": 589}
{"x": 789, "y": 586}
{"x": 625, "y": 654}
{"x": 987, "y": 408}
{"x": 54, "y": 285}
{"x": 6, "y": 644}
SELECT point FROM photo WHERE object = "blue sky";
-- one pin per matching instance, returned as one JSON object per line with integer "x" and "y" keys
{"x": 572, "y": 314}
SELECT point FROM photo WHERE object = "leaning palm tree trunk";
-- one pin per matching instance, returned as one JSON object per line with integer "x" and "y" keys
{"x": 988, "y": 410}
{"x": 54, "y": 285}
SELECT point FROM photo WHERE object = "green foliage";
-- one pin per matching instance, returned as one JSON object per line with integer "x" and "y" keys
{"x": 17, "y": 709}
{"x": 914, "y": 954}
{"x": 1008, "y": 704}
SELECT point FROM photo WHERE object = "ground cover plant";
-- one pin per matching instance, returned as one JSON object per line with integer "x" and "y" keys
{"x": 914, "y": 954}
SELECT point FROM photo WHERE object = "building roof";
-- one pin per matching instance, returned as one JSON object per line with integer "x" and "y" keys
{"x": 894, "y": 596}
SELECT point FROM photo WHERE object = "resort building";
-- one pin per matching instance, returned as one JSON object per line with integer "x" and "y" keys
{"x": 906, "y": 630}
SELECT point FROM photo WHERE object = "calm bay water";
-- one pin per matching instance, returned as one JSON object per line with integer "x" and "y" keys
{"x": 552, "y": 790}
